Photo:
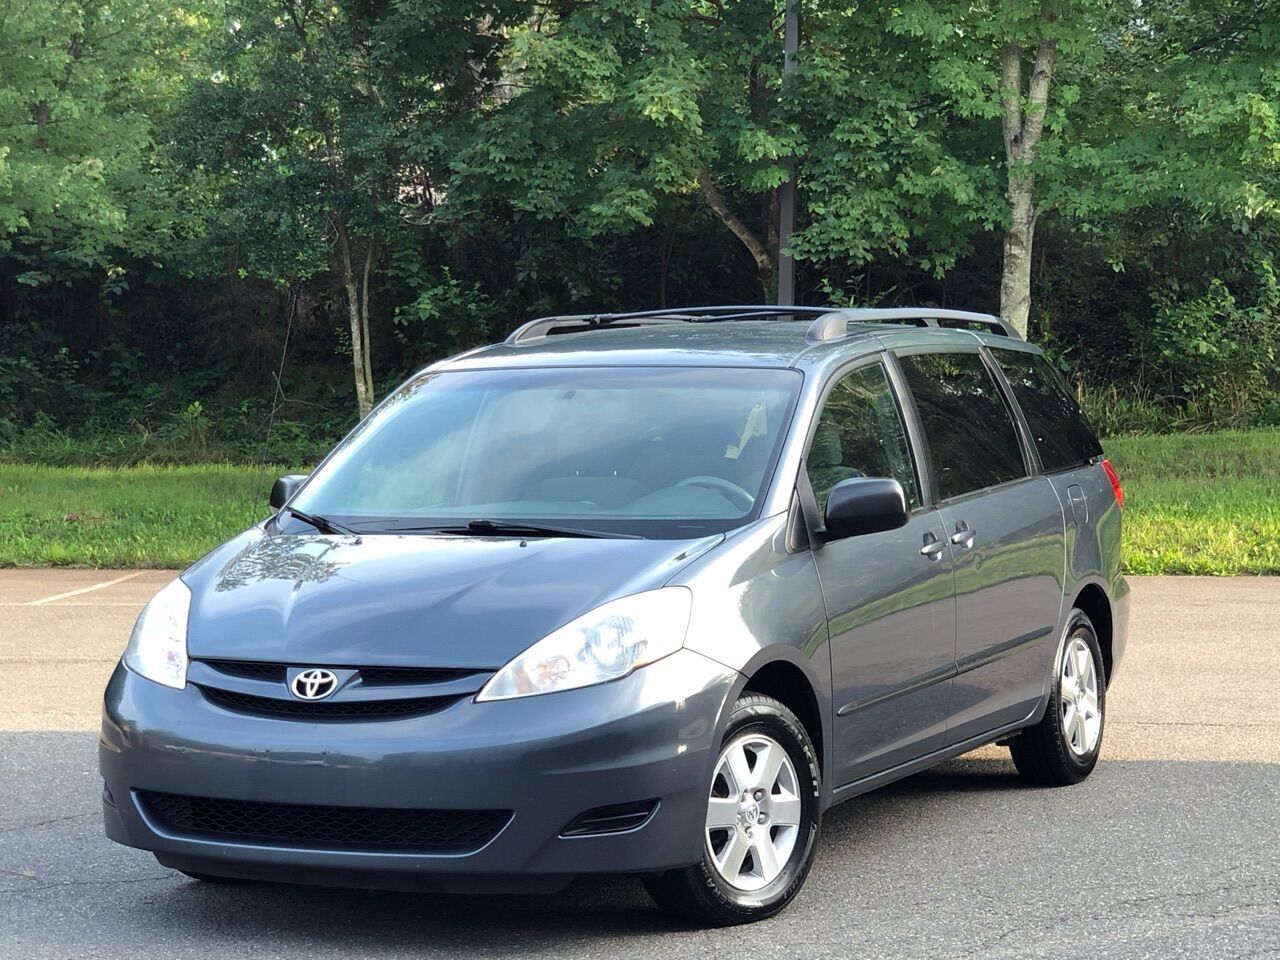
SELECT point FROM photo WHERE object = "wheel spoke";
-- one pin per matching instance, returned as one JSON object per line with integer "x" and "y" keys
{"x": 722, "y": 813}
{"x": 1084, "y": 662}
{"x": 1080, "y": 734}
{"x": 739, "y": 770}
{"x": 765, "y": 856}
{"x": 1091, "y": 703}
{"x": 768, "y": 763}
{"x": 735, "y": 851}
{"x": 1069, "y": 718}
{"x": 784, "y": 811}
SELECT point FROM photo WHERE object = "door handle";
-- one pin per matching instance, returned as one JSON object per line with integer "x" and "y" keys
{"x": 963, "y": 537}
{"x": 1079, "y": 505}
{"x": 933, "y": 547}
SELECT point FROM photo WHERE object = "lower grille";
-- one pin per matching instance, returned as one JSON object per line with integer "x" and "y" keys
{"x": 326, "y": 709}
{"x": 290, "y": 824}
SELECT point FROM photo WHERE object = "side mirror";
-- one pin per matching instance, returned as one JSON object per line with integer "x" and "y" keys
{"x": 284, "y": 488}
{"x": 865, "y": 505}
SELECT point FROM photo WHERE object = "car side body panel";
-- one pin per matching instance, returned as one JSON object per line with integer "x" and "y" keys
{"x": 757, "y": 602}
{"x": 1094, "y": 522}
{"x": 1009, "y": 589}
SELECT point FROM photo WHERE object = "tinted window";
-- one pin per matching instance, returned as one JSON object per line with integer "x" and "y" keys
{"x": 860, "y": 434}
{"x": 970, "y": 432}
{"x": 1062, "y": 435}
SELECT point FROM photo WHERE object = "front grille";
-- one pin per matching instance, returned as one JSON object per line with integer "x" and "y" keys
{"x": 250, "y": 669}
{"x": 326, "y": 709}
{"x": 369, "y": 676}
{"x": 395, "y": 676}
{"x": 290, "y": 824}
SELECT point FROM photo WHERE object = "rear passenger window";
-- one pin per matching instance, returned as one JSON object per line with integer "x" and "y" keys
{"x": 1062, "y": 435}
{"x": 972, "y": 440}
{"x": 860, "y": 434}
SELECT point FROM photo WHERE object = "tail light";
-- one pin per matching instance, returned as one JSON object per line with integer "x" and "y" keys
{"x": 1115, "y": 482}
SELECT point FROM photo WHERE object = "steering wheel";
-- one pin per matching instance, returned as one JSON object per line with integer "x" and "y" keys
{"x": 730, "y": 490}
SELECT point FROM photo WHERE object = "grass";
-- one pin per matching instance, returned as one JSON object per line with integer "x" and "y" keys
{"x": 144, "y": 516}
{"x": 1195, "y": 503}
{"x": 1204, "y": 503}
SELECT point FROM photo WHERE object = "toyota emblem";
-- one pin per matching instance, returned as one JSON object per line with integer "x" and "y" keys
{"x": 315, "y": 684}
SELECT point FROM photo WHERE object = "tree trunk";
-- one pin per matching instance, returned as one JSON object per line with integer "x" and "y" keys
{"x": 1015, "y": 273}
{"x": 759, "y": 252}
{"x": 359, "y": 324}
{"x": 664, "y": 267}
{"x": 364, "y": 321}
{"x": 1022, "y": 132}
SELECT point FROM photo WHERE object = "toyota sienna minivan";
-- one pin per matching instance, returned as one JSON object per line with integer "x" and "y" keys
{"x": 633, "y": 593}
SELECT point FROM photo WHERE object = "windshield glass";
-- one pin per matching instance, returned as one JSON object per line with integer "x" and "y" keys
{"x": 659, "y": 452}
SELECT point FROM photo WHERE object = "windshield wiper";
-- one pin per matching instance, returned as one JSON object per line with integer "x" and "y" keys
{"x": 502, "y": 528}
{"x": 323, "y": 524}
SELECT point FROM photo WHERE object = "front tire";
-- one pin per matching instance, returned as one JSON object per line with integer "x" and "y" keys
{"x": 1063, "y": 747}
{"x": 762, "y": 822}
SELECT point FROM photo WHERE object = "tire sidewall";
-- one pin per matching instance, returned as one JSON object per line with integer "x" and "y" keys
{"x": 759, "y": 715}
{"x": 1078, "y": 626}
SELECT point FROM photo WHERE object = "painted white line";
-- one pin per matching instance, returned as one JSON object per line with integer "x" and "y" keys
{"x": 76, "y": 593}
{"x": 101, "y": 603}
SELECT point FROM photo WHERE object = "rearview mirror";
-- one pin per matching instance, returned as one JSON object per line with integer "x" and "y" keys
{"x": 865, "y": 505}
{"x": 284, "y": 488}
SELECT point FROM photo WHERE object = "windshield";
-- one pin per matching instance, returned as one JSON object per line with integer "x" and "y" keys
{"x": 658, "y": 452}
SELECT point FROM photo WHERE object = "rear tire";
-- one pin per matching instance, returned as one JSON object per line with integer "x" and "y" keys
{"x": 738, "y": 879}
{"x": 1063, "y": 747}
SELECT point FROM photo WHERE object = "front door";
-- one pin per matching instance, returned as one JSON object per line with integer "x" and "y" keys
{"x": 890, "y": 596}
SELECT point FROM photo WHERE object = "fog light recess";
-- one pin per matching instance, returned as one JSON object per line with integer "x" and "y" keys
{"x": 616, "y": 818}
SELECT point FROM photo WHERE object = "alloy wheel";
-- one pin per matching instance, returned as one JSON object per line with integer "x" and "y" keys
{"x": 753, "y": 812}
{"x": 1078, "y": 698}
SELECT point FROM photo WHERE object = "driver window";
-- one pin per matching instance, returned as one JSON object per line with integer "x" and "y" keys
{"x": 860, "y": 434}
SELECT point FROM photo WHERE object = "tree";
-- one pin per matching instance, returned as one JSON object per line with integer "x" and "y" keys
{"x": 83, "y": 89}
{"x": 622, "y": 111}
{"x": 321, "y": 121}
{"x": 1106, "y": 108}
{"x": 1022, "y": 109}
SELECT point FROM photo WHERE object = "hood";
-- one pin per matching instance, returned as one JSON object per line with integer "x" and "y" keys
{"x": 410, "y": 600}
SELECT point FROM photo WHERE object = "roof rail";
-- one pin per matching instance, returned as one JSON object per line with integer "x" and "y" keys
{"x": 575, "y": 323}
{"x": 835, "y": 324}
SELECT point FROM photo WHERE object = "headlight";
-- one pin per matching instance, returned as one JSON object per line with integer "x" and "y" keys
{"x": 158, "y": 646}
{"x": 605, "y": 644}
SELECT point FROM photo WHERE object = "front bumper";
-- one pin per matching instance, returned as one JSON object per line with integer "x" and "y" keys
{"x": 548, "y": 759}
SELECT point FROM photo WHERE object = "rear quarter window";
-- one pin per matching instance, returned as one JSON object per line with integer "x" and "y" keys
{"x": 1062, "y": 436}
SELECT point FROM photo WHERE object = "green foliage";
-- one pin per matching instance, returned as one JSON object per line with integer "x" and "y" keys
{"x": 1201, "y": 504}
{"x": 445, "y": 317}
{"x": 83, "y": 87}
{"x": 1217, "y": 352}
{"x": 189, "y": 195}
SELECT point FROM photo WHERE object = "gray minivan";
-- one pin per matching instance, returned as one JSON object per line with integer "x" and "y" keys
{"x": 634, "y": 593}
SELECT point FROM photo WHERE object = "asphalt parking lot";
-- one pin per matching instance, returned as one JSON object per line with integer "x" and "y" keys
{"x": 1171, "y": 849}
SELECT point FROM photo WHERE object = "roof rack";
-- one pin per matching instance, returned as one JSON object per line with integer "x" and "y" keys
{"x": 575, "y": 323}
{"x": 835, "y": 323}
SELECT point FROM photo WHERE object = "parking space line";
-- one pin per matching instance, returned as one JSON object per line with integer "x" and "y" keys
{"x": 90, "y": 603}
{"x": 76, "y": 593}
